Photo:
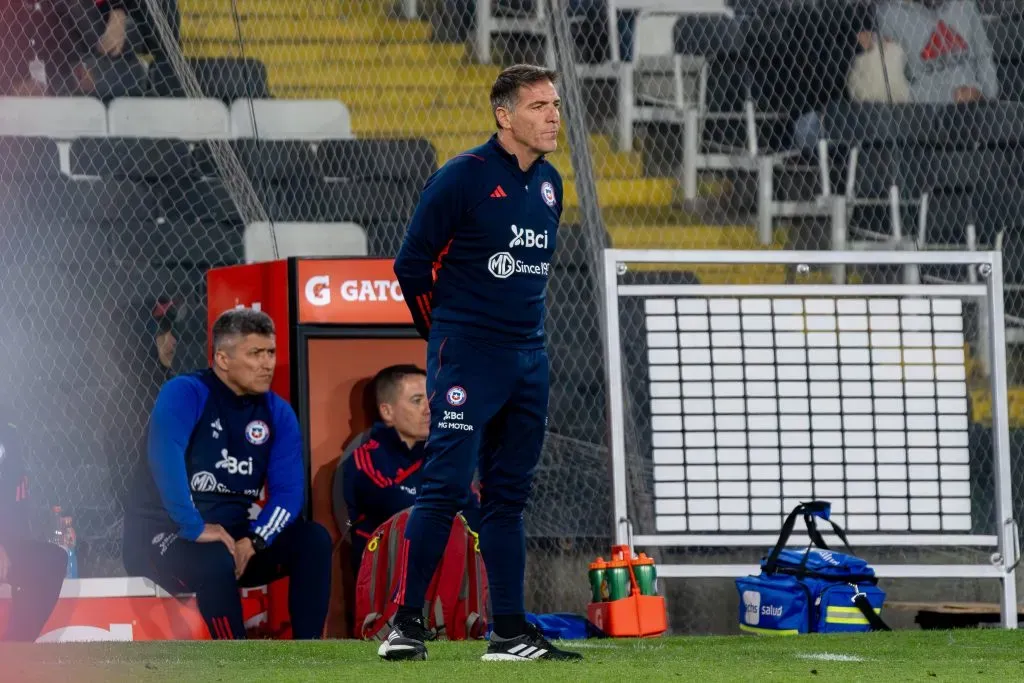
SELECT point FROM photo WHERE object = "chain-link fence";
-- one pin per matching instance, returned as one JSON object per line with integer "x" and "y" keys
{"x": 709, "y": 125}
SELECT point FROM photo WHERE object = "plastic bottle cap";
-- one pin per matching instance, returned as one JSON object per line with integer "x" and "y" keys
{"x": 598, "y": 564}
{"x": 618, "y": 564}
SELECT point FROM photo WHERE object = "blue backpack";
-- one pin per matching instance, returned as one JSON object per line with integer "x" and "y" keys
{"x": 813, "y": 589}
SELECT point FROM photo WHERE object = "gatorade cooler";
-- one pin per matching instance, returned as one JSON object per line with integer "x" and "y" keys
{"x": 630, "y": 607}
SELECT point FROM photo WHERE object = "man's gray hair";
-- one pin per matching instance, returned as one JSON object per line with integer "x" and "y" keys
{"x": 239, "y": 323}
{"x": 505, "y": 91}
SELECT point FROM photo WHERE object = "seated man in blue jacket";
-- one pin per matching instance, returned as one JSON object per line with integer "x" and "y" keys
{"x": 380, "y": 470}
{"x": 216, "y": 437}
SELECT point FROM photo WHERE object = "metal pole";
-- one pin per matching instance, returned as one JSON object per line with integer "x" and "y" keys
{"x": 1001, "y": 441}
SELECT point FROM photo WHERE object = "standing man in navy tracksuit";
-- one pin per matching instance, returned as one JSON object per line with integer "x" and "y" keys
{"x": 215, "y": 438}
{"x": 474, "y": 271}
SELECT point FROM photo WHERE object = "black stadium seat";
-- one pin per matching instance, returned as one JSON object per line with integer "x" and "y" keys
{"x": 277, "y": 160}
{"x": 225, "y": 78}
{"x": 384, "y": 239}
{"x": 198, "y": 201}
{"x": 141, "y": 159}
{"x": 228, "y": 78}
{"x": 350, "y": 200}
{"x": 28, "y": 157}
{"x": 78, "y": 202}
{"x": 409, "y": 159}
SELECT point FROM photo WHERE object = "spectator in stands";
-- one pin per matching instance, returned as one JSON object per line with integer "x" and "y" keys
{"x": 68, "y": 47}
{"x": 380, "y": 471}
{"x": 829, "y": 42}
{"x": 946, "y": 52}
{"x": 217, "y": 439}
{"x": 33, "y": 569}
{"x": 949, "y": 55}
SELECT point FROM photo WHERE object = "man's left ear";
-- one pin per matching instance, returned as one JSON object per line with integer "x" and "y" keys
{"x": 504, "y": 117}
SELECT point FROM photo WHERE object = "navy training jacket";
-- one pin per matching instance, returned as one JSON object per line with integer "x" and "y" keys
{"x": 475, "y": 260}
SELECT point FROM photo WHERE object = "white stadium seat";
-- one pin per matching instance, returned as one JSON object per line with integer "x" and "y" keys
{"x": 290, "y": 119}
{"x": 303, "y": 239}
{"x": 168, "y": 117}
{"x": 61, "y": 118}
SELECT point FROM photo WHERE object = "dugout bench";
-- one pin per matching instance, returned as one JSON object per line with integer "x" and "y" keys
{"x": 338, "y": 321}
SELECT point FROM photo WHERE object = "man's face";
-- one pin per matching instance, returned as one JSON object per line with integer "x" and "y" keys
{"x": 410, "y": 412}
{"x": 537, "y": 117}
{"x": 249, "y": 363}
{"x": 166, "y": 344}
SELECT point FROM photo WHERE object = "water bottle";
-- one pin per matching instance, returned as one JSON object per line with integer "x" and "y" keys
{"x": 617, "y": 576}
{"x": 598, "y": 585}
{"x": 57, "y": 526}
{"x": 70, "y": 546}
{"x": 646, "y": 575}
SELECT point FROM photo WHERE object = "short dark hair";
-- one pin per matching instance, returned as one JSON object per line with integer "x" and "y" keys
{"x": 387, "y": 381}
{"x": 241, "y": 322}
{"x": 505, "y": 91}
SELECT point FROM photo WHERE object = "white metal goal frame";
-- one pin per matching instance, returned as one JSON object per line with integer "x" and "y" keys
{"x": 989, "y": 291}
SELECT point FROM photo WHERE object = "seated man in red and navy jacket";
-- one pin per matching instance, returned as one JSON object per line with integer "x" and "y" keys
{"x": 380, "y": 470}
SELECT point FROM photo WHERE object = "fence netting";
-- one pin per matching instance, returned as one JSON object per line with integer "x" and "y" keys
{"x": 138, "y": 152}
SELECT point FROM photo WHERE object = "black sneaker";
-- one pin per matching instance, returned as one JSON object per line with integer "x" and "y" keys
{"x": 528, "y": 647}
{"x": 406, "y": 641}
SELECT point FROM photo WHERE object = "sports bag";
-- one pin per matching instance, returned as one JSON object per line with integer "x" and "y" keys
{"x": 456, "y": 602}
{"x": 813, "y": 589}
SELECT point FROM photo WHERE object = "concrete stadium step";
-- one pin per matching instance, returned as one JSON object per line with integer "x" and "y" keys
{"x": 394, "y": 121}
{"x": 620, "y": 216}
{"x": 357, "y": 54}
{"x": 390, "y": 96}
{"x": 262, "y": 29}
{"x": 340, "y": 75}
{"x": 981, "y": 406}
{"x": 264, "y": 8}
{"x": 637, "y": 192}
{"x": 691, "y": 237}
{"x": 608, "y": 163}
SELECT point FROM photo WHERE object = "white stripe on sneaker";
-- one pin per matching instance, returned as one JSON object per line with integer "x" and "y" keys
{"x": 503, "y": 657}
{"x": 526, "y": 652}
{"x": 517, "y": 648}
{"x": 538, "y": 654}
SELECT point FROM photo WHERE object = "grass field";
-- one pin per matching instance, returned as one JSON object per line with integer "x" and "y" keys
{"x": 983, "y": 655}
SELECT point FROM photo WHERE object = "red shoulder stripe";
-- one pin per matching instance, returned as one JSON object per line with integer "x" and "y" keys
{"x": 402, "y": 475}
{"x": 365, "y": 463}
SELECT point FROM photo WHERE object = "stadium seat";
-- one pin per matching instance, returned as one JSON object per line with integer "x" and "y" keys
{"x": 230, "y": 78}
{"x": 169, "y": 117}
{"x": 61, "y": 118}
{"x": 277, "y": 160}
{"x": 85, "y": 223}
{"x": 574, "y": 247}
{"x": 206, "y": 201}
{"x": 357, "y": 201}
{"x": 411, "y": 159}
{"x": 303, "y": 239}
{"x": 384, "y": 238}
{"x": 269, "y": 119}
{"x": 193, "y": 244}
{"x": 142, "y": 159}
{"x": 29, "y": 157}
{"x": 67, "y": 201}
{"x": 363, "y": 201}
{"x": 222, "y": 78}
